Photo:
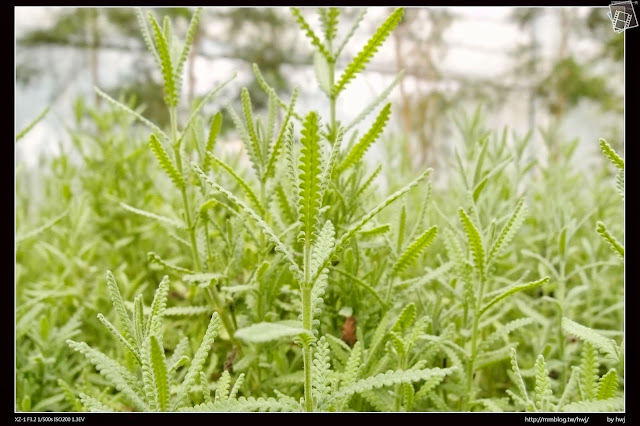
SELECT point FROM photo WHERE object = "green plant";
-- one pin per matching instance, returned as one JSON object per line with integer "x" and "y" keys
{"x": 312, "y": 291}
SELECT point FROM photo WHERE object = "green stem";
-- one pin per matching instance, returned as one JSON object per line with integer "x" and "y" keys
{"x": 332, "y": 99}
{"x": 307, "y": 321}
{"x": 474, "y": 344}
{"x": 216, "y": 302}
{"x": 185, "y": 199}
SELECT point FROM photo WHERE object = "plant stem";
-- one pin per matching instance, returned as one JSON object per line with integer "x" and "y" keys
{"x": 215, "y": 301}
{"x": 185, "y": 199}
{"x": 306, "y": 348}
{"x": 474, "y": 341}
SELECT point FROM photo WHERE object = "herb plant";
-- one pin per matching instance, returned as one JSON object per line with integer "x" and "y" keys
{"x": 286, "y": 283}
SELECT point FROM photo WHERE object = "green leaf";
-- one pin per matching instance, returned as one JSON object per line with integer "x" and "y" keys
{"x": 165, "y": 162}
{"x": 613, "y": 242}
{"x": 277, "y": 144}
{"x": 40, "y": 229}
{"x": 390, "y": 378}
{"x": 133, "y": 113}
{"x": 543, "y": 385}
{"x": 509, "y": 230}
{"x": 118, "y": 305}
{"x": 322, "y": 70}
{"x": 479, "y": 187}
{"x": 608, "y": 385}
{"x": 373, "y": 232}
{"x": 374, "y": 104}
{"x": 323, "y": 246}
{"x": 121, "y": 338}
{"x": 357, "y": 152}
{"x": 406, "y": 319}
{"x": 247, "y": 189}
{"x": 315, "y": 40}
{"x": 158, "y": 306}
{"x": 518, "y": 380}
{"x": 247, "y": 404}
{"x": 116, "y": 374}
{"x": 415, "y": 249}
{"x": 271, "y": 92}
{"x": 198, "y": 360}
{"x": 309, "y": 178}
{"x": 142, "y": 23}
{"x": 170, "y": 90}
{"x": 354, "y": 26}
{"x": 31, "y": 125}
{"x": 280, "y": 247}
{"x": 253, "y": 147}
{"x": 586, "y": 334}
{"x": 352, "y": 368}
{"x": 93, "y": 405}
{"x": 159, "y": 366}
{"x": 610, "y": 405}
{"x": 266, "y": 332}
{"x": 138, "y": 321}
{"x": 362, "y": 284}
{"x": 611, "y": 154}
{"x": 511, "y": 290}
{"x": 321, "y": 386}
{"x": 588, "y": 372}
{"x": 203, "y": 102}
{"x": 475, "y": 242}
{"x": 570, "y": 388}
{"x": 366, "y": 218}
{"x": 154, "y": 258}
{"x": 364, "y": 56}
{"x": 214, "y": 130}
{"x": 174, "y": 223}
{"x": 191, "y": 33}
{"x": 148, "y": 384}
{"x": 329, "y": 21}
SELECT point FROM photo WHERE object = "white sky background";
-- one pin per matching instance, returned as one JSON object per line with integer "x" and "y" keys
{"x": 479, "y": 39}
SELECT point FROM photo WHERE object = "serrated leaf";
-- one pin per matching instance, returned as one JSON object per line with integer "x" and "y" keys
{"x": 162, "y": 46}
{"x": 277, "y": 144}
{"x": 415, "y": 249}
{"x": 309, "y": 178}
{"x": 364, "y": 56}
{"x": 357, "y": 152}
{"x": 247, "y": 189}
{"x": 610, "y": 239}
{"x": 198, "y": 360}
{"x": 191, "y": 33}
{"x": 256, "y": 218}
{"x": 247, "y": 404}
{"x": 165, "y": 162}
{"x": 158, "y": 307}
{"x": 161, "y": 380}
{"x": 174, "y": 223}
{"x": 611, "y": 405}
{"x": 367, "y": 217}
{"x": 115, "y": 373}
{"x": 611, "y": 154}
{"x": 608, "y": 385}
{"x": 475, "y": 242}
{"x": 511, "y": 290}
{"x": 509, "y": 230}
{"x": 315, "y": 40}
{"x": 390, "y": 378}
{"x": 118, "y": 305}
{"x": 586, "y": 334}
{"x": 128, "y": 110}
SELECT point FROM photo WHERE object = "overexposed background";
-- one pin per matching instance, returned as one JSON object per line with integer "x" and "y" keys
{"x": 528, "y": 68}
